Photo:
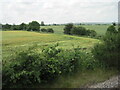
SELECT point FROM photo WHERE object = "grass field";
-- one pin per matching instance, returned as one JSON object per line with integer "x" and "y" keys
{"x": 19, "y": 40}
{"x": 100, "y": 29}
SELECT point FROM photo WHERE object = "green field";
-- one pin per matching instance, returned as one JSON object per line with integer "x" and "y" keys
{"x": 19, "y": 40}
{"x": 100, "y": 29}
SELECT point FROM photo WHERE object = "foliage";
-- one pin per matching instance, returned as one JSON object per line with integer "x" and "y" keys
{"x": 119, "y": 29}
{"x": 67, "y": 28}
{"x": 78, "y": 31}
{"x": 111, "y": 29}
{"x": 15, "y": 27}
{"x": 114, "y": 24}
{"x": 48, "y": 30}
{"x": 43, "y": 30}
{"x": 92, "y": 33}
{"x": 34, "y": 26}
{"x": 32, "y": 66}
{"x": 6, "y": 26}
{"x": 109, "y": 51}
{"x": 83, "y": 31}
{"x": 23, "y": 26}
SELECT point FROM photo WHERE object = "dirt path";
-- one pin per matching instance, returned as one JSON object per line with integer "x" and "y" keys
{"x": 111, "y": 83}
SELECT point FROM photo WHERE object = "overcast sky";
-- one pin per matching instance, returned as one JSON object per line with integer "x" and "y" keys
{"x": 58, "y": 11}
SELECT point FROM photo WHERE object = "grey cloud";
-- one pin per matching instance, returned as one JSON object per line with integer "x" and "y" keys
{"x": 58, "y": 11}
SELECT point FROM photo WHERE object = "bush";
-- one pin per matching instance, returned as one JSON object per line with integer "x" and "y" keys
{"x": 83, "y": 31}
{"x": 50, "y": 30}
{"x": 33, "y": 67}
{"x": 109, "y": 51}
{"x": 78, "y": 31}
{"x": 91, "y": 33}
{"x": 111, "y": 29}
{"x": 43, "y": 30}
{"x": 67, "y": 28}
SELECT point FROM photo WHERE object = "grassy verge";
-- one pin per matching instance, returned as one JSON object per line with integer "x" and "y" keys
{"x": 81, "y": 79}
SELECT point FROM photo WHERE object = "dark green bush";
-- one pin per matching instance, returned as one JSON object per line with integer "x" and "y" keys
{"x": 78, "y": 31}
{"x": 67, "y": 28}
{"x": 43, "y": 30}
{"x": 109, "y": 51}
{"x": 111, "y": 29}
{"x": 83, "y": 32}
{"x": 33, "y": 67}
{"x": 91, "y": 33}
{"x": 50, "y": 30}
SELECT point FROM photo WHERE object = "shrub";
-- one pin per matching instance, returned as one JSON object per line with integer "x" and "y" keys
{"x": 43, "y": 30}
{"x": 67, "y": 28}
{"x": 119, "y": 29}
{"x": 109, "y": 51}
{"x": 91, "y": 33}
{"x": 33, "y": 67}
{"x": 50, "y": 30}
{"x": 78, "y": 31}
{"x": 83, "y": 31}
{"x": 111, "y": 29}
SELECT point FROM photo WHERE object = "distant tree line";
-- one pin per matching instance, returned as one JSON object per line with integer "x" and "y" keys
{"x": 73, "y": 30}
{"x": 31, "y": 26}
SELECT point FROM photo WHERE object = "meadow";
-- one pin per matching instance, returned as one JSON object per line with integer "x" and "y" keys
{"x": 17, "y": 41}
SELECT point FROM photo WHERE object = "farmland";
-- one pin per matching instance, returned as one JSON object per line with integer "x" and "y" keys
{"x": 17, "y": 41}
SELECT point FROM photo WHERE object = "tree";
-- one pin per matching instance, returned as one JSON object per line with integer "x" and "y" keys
{"x": 50, "y": 30}
{"x": 92, "y": 33}
{"x": 23, "y": 26}
{"x": 42, "y": 23}
{"x": 6, "y": 26}
{"x": 34, "y": 26}
{"x": 114, "y": 24}
{"x": 78, "y": 31}
{"x": 67, "y": 28}
{"x": 15, "y": 27}
{"x": 111, "y": 29}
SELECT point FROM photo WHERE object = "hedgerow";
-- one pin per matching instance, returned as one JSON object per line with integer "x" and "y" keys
{"x": 32, "y": 67}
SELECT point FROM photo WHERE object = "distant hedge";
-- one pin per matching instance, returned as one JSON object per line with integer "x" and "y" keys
{"x": 82, "y": 31}
{"x": 48, "y": 30}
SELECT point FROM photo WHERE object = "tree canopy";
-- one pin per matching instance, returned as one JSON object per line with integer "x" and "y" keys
{"x": 33, "y": 26}
{"x": 67, "y": 28}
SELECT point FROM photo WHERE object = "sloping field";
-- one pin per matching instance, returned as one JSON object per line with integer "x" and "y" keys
{"x": 14, "y": 38}
{"x": 13, "y": 41}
